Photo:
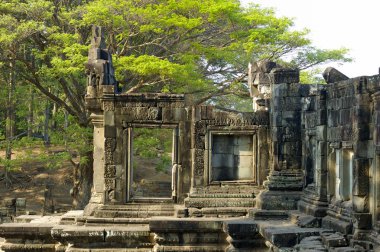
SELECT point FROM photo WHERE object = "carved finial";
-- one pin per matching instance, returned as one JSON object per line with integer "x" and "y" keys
{"x": 98, "y": 40}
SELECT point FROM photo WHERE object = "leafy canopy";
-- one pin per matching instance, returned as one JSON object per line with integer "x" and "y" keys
{"x": 198, "y": 47}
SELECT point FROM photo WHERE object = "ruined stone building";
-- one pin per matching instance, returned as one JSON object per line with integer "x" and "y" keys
{"x": 300, "y": 172}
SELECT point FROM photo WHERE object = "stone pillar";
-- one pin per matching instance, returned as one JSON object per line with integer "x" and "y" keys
{"x": 97, "y": 197}
{"x": 113, "y": 169}
{"x": 361, "y": 157}
{"x": 198, "y": 130}
{"x": 314, "y": 199}
{"x": 376, "y": 162}
{"x": 285, "y": 181}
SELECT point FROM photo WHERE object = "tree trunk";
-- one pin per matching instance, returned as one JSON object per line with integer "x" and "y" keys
{"x": 31, "y": 111}
{"x": 10, "y": 122}
{"x": 83, "y": 180}
{"x": 65, "y": 126}
{"x": 46, "y": 123}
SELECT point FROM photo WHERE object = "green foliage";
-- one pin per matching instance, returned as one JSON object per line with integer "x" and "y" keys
{"x": 312, "y": 76}
{"x": 311, "y": 56}
{"x": 163, "y": 164}
{"x": 152, "y": 144}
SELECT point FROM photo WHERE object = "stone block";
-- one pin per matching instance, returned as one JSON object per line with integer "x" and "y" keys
{"x": 333, "y": 118}
{"x": 346, "y": 116}
{"x": 9, "y": 202}
{"x": 279, "y": 90}
{"x": 276, "y": 119}
{"x": 363, "y": 149}
{"x": 360, "y": 204}
{"x": 331, "y": 75}
{"x": 278, "y": 200}
{"x": 337, "y": 225}
{"x": 321, "y": 133}
{"x": 310, "y": 120}
{"x": 334, "y": 240}
{"x": 292, "y": 148}
{"x": 362, "y": 115}
{"x": 294, "y": 89}
{"x": 283, "y": 75}
{"x": 20, "y": 203}
{"x": 291, "y": 104}
{"x": 322, "y": 148}
{"x": 362, "y": 220}
{"x": 361, "y": 177}
{"x": 348, "y": 102}
{"x": 277, "y": 133}
{"x": 277, "y": 104}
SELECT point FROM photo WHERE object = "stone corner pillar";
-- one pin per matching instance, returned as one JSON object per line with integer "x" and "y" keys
{"x": 285, "y": 181}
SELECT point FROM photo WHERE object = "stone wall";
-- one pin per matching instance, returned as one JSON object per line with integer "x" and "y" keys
{"x": 10, "y": 208}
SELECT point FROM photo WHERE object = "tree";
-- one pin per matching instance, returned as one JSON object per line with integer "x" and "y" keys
{"x": 196, "y": 47}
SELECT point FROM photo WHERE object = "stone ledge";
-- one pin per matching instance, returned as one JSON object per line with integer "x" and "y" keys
{"x": 329, "y": 222}
{"x": 28, "y": 247}
{"x": 259, "y": 214}
{"x": 218, "y": 202}
{"x": 160, "y": 225}
{"x": 287, "y": 236}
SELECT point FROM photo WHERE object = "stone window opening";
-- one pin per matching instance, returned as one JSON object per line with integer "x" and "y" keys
{"x": 152, "y": 159}
{"x": 232, "y": 157}
{"x": 344, "y": 174}
{"x": 332, "y": 173}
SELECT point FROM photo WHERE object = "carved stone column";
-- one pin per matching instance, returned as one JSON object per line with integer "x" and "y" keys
{"x": 97, "y": 197}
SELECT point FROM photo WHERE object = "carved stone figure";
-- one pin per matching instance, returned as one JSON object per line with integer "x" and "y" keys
{"x": 99, "y": 68}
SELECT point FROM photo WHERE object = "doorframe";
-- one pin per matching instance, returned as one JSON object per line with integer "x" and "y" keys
{"x": 128, "y": 161}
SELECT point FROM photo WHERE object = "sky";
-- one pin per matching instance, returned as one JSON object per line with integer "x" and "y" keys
{"x": 334, "y": 24}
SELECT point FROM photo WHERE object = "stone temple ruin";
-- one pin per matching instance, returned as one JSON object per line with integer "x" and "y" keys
{"x": 300, "y": 172}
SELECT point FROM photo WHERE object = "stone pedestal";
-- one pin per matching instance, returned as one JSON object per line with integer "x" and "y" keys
{"x": 283, "y": 191}
{"x": 313, "y": 204}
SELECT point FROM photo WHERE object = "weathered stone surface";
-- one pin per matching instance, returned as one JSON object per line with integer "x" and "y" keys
{"x": 329, "y": 222}
{"x": 331, "y": 75}
{"x": 278, "y": 200}
{"x": 283, "y": 75}
{"x": 310, "y": 244}
{"x": 334, "y": 240}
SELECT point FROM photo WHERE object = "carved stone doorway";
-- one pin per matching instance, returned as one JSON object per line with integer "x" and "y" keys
{"x": 152, "y": 160}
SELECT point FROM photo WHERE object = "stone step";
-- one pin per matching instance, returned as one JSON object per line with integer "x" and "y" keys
{"x": 311, "y": 244}
{"x": 191, "y": 248}
{"x": 131, "y": 213}
{"x": 73, "y": 249}
{"x": 332, "y": 240}
{"x": 135, "y": 210}
{"x": 286, "y": 234}
{"x": 259, "y": 214}
{"x": 304, "y": 220}
{"x": 219, "y": 202}
{"x": 130, "y": 236}
{"x": 188, "y": 234}
{"x": 232, "y": 195}
{"x": 218, "y": 212}
{"x": 346, "y": 249}
{"x": 366, "y": 245}
{"x": 90, "y": 221}
{"x": 142, "y": 206}
{"x": 338, "y": 225}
